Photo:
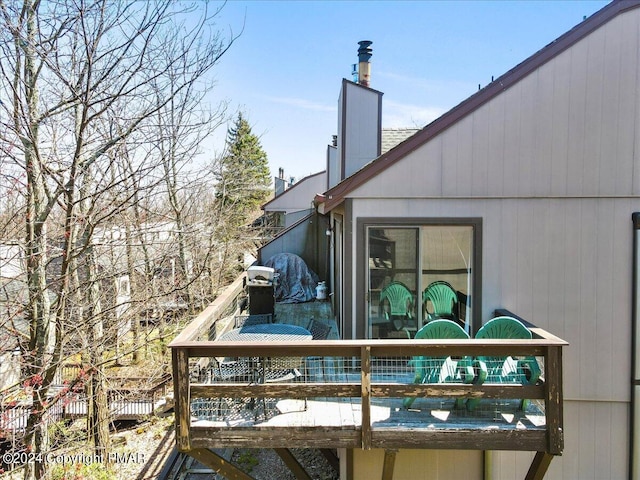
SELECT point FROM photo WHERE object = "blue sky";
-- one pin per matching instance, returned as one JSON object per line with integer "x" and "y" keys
{"x": 285, "y": 70}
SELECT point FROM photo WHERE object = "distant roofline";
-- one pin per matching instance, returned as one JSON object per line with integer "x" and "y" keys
{"x": 292, "y": 187}
{"x": 285, "y": 231}
{"x": 337, "y": 194}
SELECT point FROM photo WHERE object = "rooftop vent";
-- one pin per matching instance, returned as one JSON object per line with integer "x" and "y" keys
{"x": 364, "y": 66}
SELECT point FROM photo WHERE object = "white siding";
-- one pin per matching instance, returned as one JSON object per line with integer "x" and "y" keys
{"x": 9, "y": 370}
{"x": 594, "y": 450}
{"x": 333, "y": 166}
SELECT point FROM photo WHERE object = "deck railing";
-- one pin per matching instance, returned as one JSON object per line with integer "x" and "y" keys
{"x": 375, "y": 370}
{"x": 366, "y": 380}
{"x": 370, "y": 389}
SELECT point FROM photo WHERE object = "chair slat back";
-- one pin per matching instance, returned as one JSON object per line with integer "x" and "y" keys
{"x": 442, "y": 297}
{"x": 399, "y": 297}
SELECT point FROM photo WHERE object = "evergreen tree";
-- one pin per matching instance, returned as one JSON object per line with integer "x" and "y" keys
{"x": 244, "y": 178}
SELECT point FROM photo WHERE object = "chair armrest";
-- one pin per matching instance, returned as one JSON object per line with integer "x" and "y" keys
{"x": 466, "y": 371}
{"x": 479, "y": 371}
{"x": 529, "y": 369}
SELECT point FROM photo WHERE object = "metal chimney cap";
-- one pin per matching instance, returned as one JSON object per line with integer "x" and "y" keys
{"x": 364, "y": 52}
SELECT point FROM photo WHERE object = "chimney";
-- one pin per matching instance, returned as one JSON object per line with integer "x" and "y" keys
{"x": 364, "y": 67}
{"x": 281, "y": 173}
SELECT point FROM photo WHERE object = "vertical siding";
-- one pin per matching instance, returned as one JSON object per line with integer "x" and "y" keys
{"x": 420, "y": 465}
{"x": 298, "y": 196}
{"x": 495, "y": 153}
{"x": 560, "y": 71}
{"x": 563, "y": 264}
{"x": 593, "y": 76}
{"x": 362, "y": 127}
{"x": 551, "y": 166}
{"x": 594, "y": 450}
{"x": 568, "y": 129}
{"x": 627, "y": 107}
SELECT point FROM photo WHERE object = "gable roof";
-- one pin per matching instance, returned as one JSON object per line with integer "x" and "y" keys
{"x": 292, "y": 187}
{"x": 335, "y": 196}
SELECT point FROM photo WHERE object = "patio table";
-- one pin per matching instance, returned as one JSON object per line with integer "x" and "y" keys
{"x": 269, "y": 332}
{"x": 277, "y": 369}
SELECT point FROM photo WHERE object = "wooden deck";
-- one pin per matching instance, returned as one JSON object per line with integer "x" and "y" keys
{"x": 124, "y": 404}
{"x": 353, "y": 390}
{"x": 365, "y": 410}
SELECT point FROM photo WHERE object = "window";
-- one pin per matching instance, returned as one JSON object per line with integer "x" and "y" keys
{"x": 419, "y": 270}
{"x": 124, "y": 288}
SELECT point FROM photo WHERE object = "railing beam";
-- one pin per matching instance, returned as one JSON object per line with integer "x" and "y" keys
{"x": 369, "y": 353}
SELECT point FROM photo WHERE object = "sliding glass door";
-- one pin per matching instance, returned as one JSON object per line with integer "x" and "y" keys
{"x": 393, "y": 281}
{"x": 417, "y": 273}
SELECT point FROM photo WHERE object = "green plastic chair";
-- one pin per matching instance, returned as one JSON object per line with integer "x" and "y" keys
{"x": 441, "y": 369}
{"x": 442, "y": 297}
{"x": 400, "y": 300}
{"x": 525, "y": 371}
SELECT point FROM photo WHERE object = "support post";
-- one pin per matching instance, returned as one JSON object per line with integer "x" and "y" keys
{"x": 539, "y": 466}
{"x": 290, "y": 461}
{"x": 365, "y": 360}
{"x": 634, "y": 431}
{"x": 389, "y": 464}
{"x": 332, "y": 458}
{"x": 182, "y": 398}
{"x": 218, "y": 464}
{"x": 554, "y": 400}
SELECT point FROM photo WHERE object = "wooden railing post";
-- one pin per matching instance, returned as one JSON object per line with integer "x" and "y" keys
{"x": 553, "y": 400}
{"x": 182, "y": 398}
{"x": 365, "y": 362}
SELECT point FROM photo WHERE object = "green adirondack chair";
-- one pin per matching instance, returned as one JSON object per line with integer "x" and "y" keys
{"x": 442, "y": 297}
{"x": 441, "y": 369}
{"x": 399, "y": 298}
{"x": 525, "y": 371}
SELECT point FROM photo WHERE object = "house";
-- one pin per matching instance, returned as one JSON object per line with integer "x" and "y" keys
{"x": 534, "y": 181}
{"x": 525, "y": 197}
{"x": 293, "y": 209}
{"x": 292, "y": 204}
{"x": 13, "y": 297}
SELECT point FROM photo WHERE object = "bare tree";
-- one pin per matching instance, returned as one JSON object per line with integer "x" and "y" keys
{"x": 81, "y": 78}
{"x": 185, "y": 125}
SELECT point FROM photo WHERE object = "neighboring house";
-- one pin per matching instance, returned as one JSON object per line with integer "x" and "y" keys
{"x": 296, "y": 202}
{"x": 13, "y": 295}
{"x": 153, "y": 248}
{"x": 521, "y": 197}
{"x": 394, "y": 136}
